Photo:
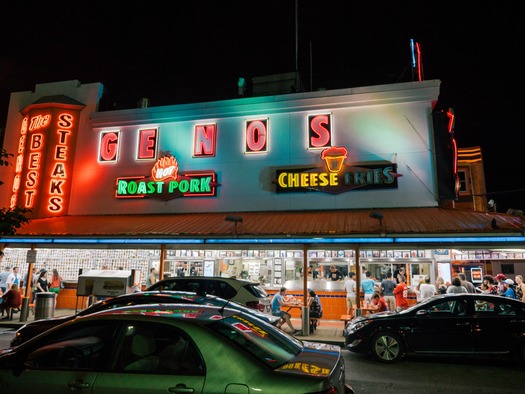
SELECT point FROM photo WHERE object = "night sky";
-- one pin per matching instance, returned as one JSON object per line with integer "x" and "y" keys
{"x": 174, "y": 52}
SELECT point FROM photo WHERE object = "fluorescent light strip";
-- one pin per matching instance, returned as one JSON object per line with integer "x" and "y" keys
{"x": 371, "y": 240}
{"x": 99, "y": 241}
{"x": 459, "y": 239}
{"x": 299, "y": 240}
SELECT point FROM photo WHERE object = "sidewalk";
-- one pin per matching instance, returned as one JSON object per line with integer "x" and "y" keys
{"x": 328, "y": 331}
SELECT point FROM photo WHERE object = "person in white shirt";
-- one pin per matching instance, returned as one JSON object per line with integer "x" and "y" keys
{"x": 350, "y": 287}
{"x": 13, "y": 278}
{"x": 427, "y": 290}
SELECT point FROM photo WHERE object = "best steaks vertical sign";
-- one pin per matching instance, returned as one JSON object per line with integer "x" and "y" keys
{"x": 44, "y": 159}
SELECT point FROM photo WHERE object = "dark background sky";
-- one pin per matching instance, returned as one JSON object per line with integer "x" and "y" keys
{"x": 178, "y": 52}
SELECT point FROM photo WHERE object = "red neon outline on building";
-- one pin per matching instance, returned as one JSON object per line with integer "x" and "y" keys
{"x": 109, "y": 146}
{"x": 256, "y": 136}
{"x": 147, "y": 144}
{"x": 205, "y": 140}
{"x": 319, "y": 136}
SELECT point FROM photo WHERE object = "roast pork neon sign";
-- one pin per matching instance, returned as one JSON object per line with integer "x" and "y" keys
{"x": 338, "y": 177}
{"x": 166, "y": 182}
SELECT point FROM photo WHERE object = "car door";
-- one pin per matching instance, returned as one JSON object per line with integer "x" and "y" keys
{"x": 64, "y": 361}
{"x": 164, "y": 360}
{"x": 441, "y": 328}
{"x": 498, "y": 327}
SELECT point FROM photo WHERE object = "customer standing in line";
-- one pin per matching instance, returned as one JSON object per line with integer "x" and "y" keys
{"x": 441, "y": 287}
{"x": 510, "y": 293}
{"x": 152, "y": 277}
{"x": 42, "y": 285}
{"x": 456, "y": 287}
{"x": 427, "y": 290}
{"x": 350, "y": 287}
{"x": 520, "y": 288}
{"x": 56, "y": 281}
{"x": 368, "y": 286}
{"x": 387, "y": 286}
{"x": 466, "y": 284}
{"x": 13, "y": 278}
{"x": 401, "y": 293}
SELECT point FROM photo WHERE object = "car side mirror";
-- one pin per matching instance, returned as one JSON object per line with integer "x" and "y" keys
{"x": 422, "y": 312}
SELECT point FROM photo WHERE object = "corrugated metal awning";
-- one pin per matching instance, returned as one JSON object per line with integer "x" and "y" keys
{"x": 347, "y": 223}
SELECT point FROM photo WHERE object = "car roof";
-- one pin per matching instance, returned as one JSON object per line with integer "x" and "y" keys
{"x": 168, "y": 293}
{"x": 473, "y": 295}
{"x": 193, "y": 312}
{"x": 220, "y": 278}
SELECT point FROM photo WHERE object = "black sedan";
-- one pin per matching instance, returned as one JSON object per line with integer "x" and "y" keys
{"x": 460, "y": 325}
{"x": 32, "y": 329}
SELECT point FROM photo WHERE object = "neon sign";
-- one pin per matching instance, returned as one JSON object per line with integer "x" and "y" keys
{"x": 109, "y": 143}
{"x": 166, "y": 182}
{"x": 42, "y": 180}
{"x": 338, "y": 177}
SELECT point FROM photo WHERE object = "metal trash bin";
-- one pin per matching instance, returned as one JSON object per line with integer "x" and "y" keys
{"x": 44, "y": 305}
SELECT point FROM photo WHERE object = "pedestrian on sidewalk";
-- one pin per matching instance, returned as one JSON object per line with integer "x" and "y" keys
{"x": 368, "y": 287}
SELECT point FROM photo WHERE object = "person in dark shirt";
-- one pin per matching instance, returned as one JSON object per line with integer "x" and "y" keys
{"x": 335, "y": 274}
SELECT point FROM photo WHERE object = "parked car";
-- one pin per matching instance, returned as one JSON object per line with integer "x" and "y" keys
{"x": 463, "y": 325}
{"x": 243, "y": 291}
{"x": 171, "y": 348}
{"x": 34, "y": 328}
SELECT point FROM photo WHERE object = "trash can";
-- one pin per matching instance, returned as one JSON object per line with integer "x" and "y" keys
{"x": 44, "y": 305}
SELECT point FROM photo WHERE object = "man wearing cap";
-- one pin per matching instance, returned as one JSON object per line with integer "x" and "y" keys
{"x": 3, "y": 279}
{"x": 509, "y": 293}
{"x": 500, "y": 278}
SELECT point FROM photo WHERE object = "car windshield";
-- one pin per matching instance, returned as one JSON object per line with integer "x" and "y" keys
{"x": 263, "y": 342}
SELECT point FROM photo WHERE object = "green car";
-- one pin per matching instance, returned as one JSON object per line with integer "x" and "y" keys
{"x": 177, "y": 348}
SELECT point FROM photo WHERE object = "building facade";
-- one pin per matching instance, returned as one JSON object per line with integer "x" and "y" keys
{"x": 267, "y": 188}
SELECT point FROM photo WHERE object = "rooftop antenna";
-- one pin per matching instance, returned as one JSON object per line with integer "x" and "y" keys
{"x": 297, "y": 79}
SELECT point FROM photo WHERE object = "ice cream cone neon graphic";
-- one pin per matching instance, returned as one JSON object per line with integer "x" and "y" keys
{"x": 334, "y": 157}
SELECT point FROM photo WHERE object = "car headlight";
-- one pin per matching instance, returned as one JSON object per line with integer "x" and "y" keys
{"x": 358, "y": 325}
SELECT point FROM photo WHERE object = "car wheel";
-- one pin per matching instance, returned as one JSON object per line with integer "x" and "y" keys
{"x": 387, "y": 347}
